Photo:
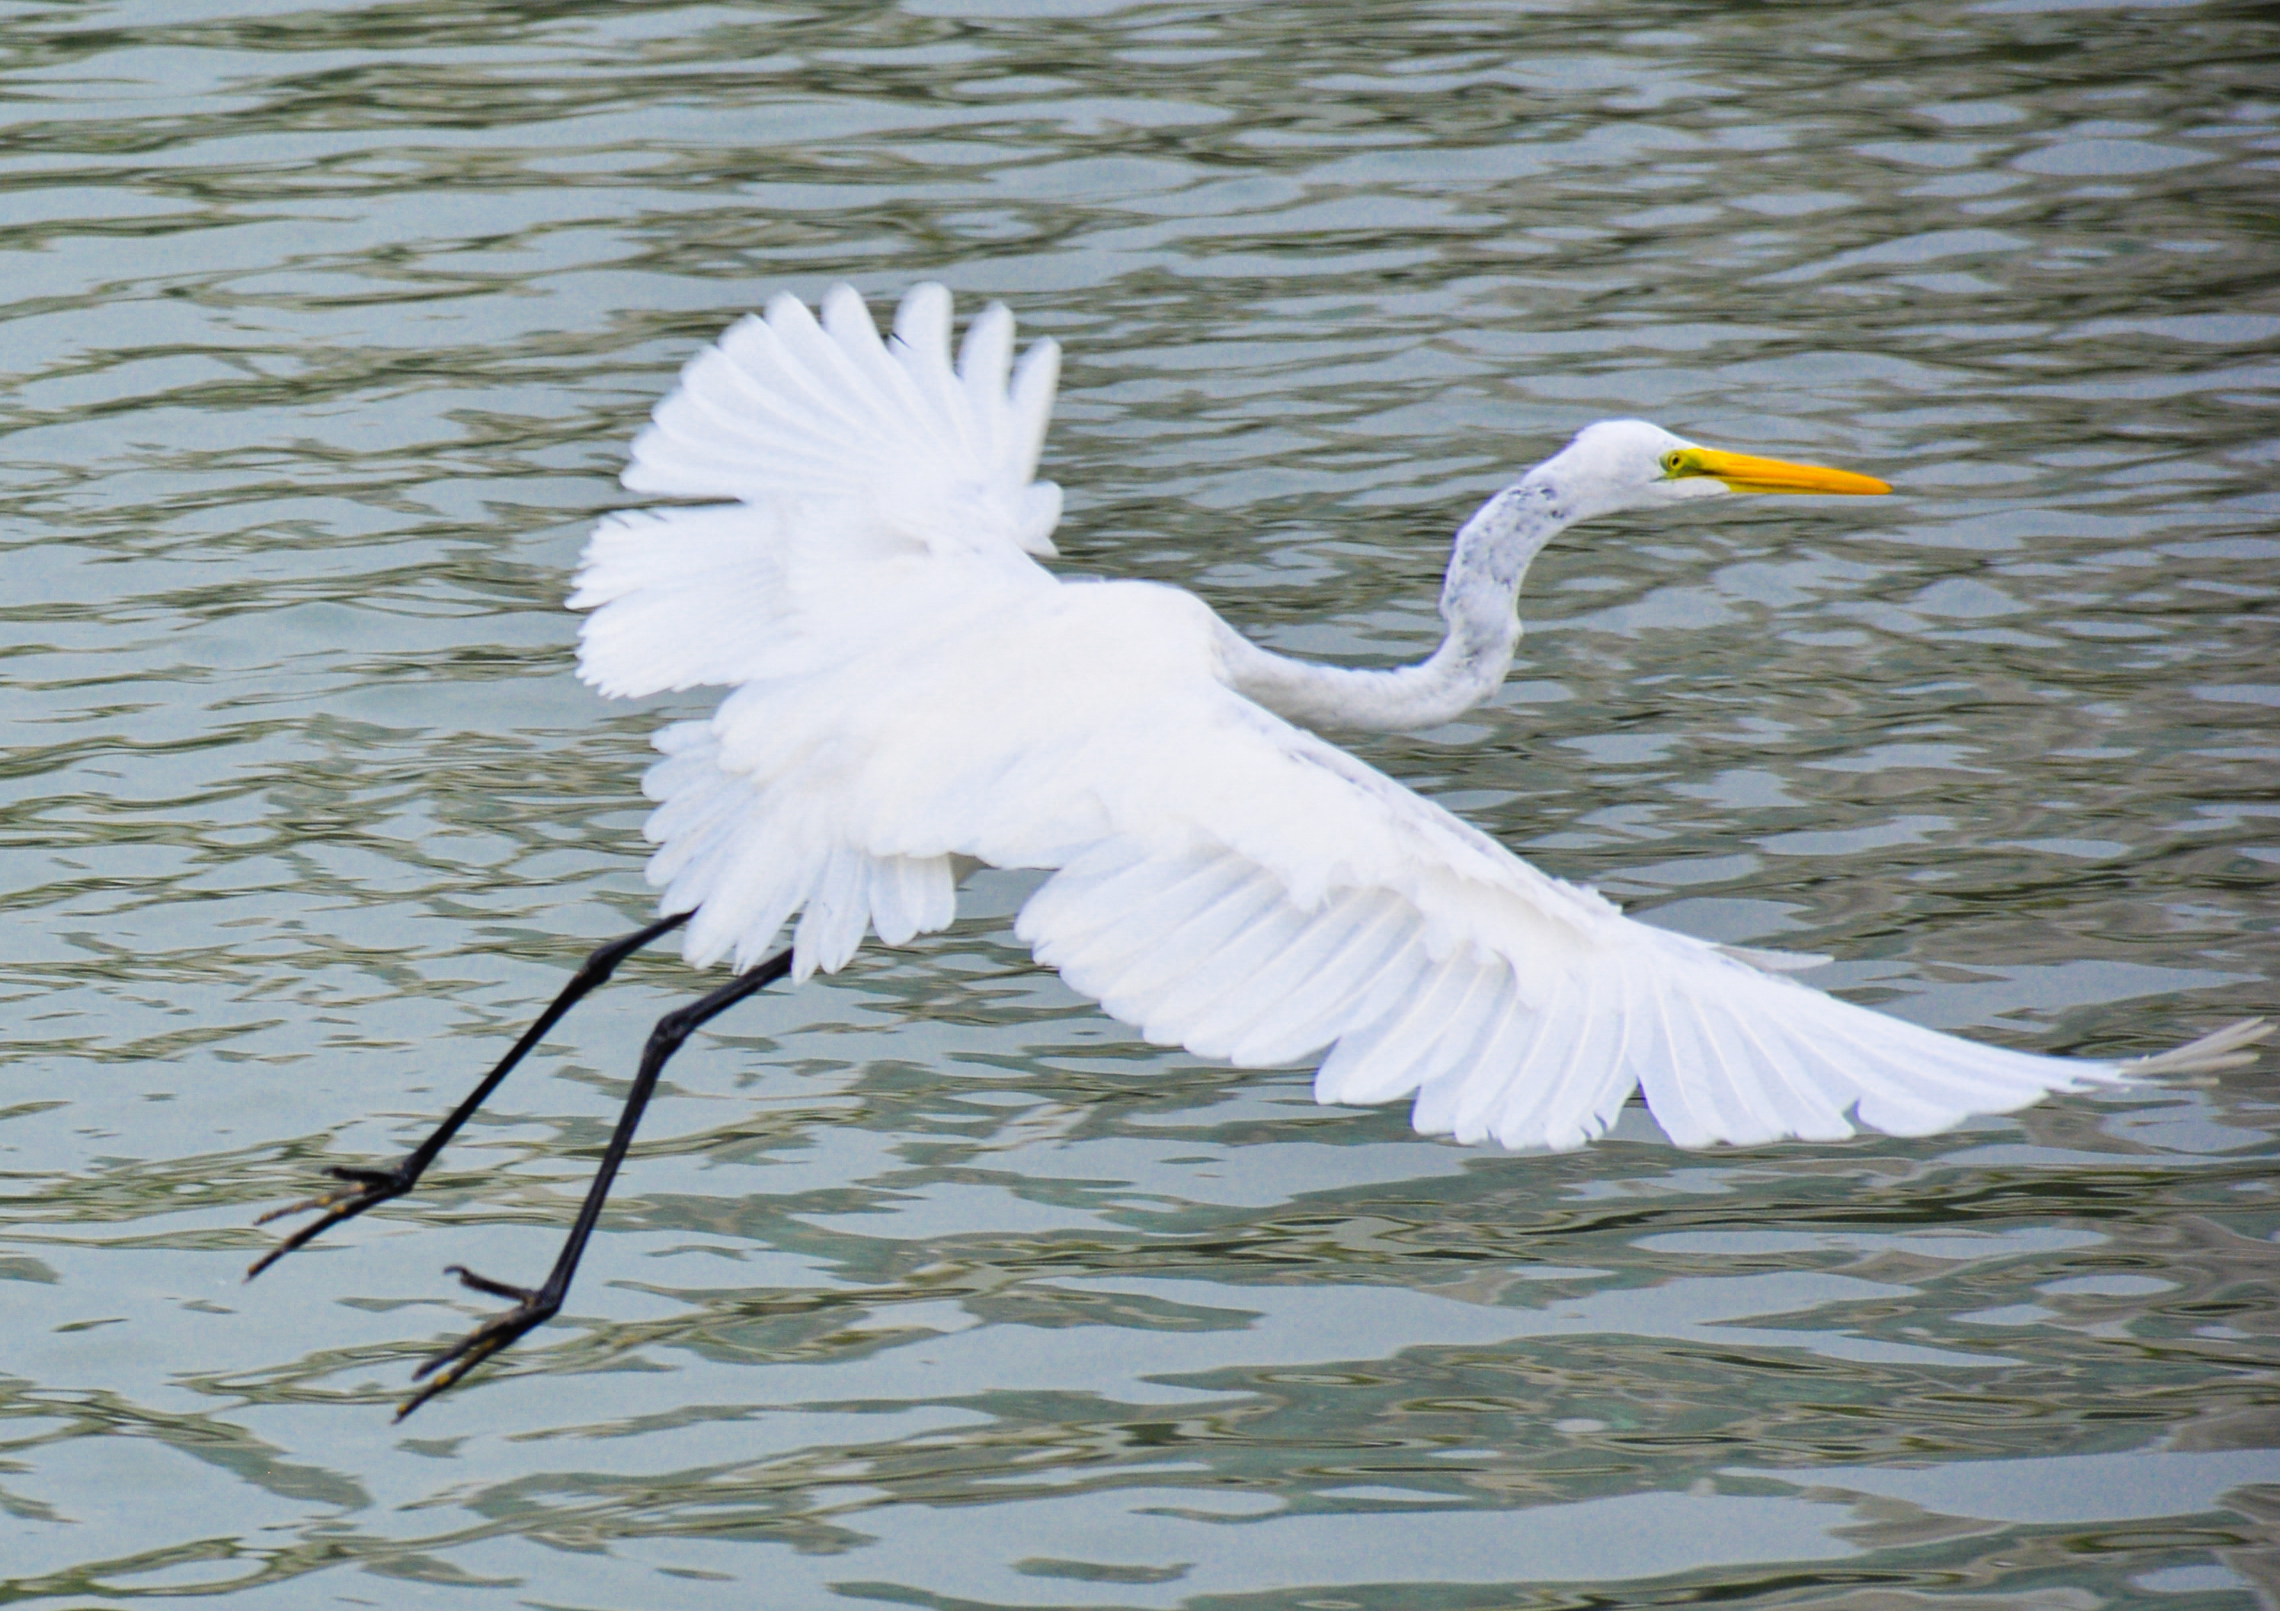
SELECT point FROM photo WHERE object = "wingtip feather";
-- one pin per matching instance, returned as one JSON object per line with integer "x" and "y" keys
{"x": 2221, "y": 1048}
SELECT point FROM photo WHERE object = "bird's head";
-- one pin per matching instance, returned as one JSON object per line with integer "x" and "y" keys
{"x": 1630, "y": 464}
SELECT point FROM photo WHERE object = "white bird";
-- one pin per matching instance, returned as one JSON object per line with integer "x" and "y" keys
{"x": 911, "y": 689}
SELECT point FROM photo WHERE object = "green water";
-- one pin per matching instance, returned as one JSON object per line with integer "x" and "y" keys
{"x": 323, "y": 332}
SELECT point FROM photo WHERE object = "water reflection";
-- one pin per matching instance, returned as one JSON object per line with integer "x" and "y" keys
{"x": 325, "y": 330}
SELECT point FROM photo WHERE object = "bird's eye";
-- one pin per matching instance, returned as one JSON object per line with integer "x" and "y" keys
{"x": 1671, "y": 461}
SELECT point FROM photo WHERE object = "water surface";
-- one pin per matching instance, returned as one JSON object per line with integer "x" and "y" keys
{"x": 324, "y": 330}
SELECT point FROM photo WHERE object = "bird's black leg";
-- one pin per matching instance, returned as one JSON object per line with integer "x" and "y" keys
{"x": 536, "y": 1307}
{"x": 362, "y": 1188}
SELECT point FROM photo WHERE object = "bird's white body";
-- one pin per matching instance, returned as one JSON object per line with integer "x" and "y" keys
{"x": 910, "y": 686}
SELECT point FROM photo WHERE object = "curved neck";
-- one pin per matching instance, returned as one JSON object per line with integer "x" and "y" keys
{"x": 1486, "y": 567}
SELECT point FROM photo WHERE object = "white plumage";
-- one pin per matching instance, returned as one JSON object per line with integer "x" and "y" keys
{"x": 910, "y": 686}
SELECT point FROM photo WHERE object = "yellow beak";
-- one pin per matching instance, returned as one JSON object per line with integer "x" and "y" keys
{"x": 1744, "y": 473}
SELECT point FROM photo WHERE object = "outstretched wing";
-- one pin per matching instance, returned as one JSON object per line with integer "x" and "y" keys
{"x": 835, "y": 454}
{"x": 1508, "y": 1004}
{"x": 1230, "y": 883}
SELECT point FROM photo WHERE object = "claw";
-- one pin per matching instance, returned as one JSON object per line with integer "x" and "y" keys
{"x": 366, "y": 1177}
{"x": 364, "y": 1188}
{"x": 532, "y": 1309}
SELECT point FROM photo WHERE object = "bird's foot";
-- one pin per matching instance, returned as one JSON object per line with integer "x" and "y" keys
{"x": 532, "y": 1308}
{"x": 363, "y": 1188}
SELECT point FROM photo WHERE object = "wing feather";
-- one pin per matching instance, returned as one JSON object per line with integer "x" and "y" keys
{"x": 1029, "y": 404}
{"x": 814, "y": 371}
{"x": 1132, "y": 934}
{"x": 1241, "y": 935}
{"x": 1218, "y": 930}
{"x": 1338, "y": 972}
{"x": 1222, "y": 1008}
{"x": 985, "y": 365}
{"x": 1385, "y": 1059}
{"x": 922, "y": 342}
{"x": 1447, "y": 1101}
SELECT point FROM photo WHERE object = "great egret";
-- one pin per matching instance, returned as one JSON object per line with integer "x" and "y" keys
{"x": 910, "y": 687}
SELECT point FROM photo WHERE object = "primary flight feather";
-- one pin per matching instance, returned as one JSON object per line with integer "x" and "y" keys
{"x": 910, "y": 686}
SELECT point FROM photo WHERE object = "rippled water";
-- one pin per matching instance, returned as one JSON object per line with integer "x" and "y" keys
{"x": 324, "y": 331}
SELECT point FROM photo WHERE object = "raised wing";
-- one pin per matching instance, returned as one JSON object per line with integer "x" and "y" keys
{"x": 841, "y": 453}
{"x": 786, "y": 407}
